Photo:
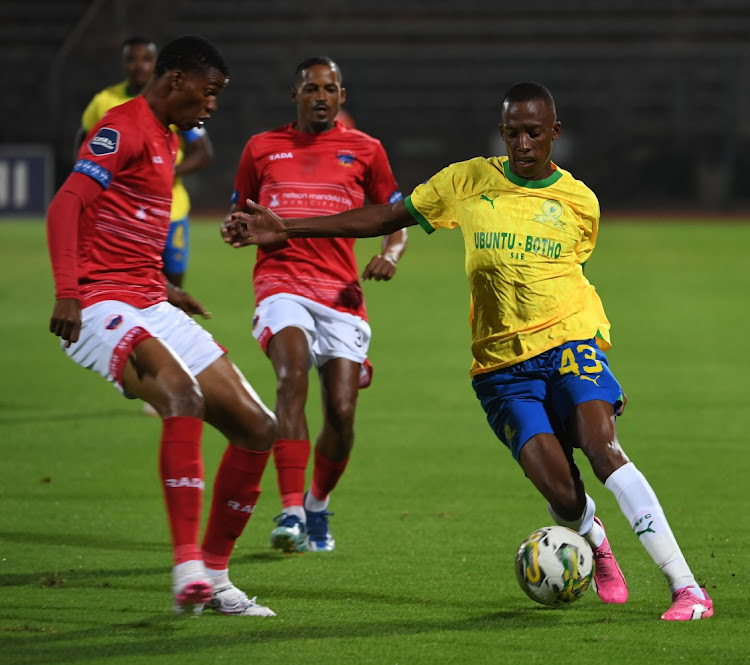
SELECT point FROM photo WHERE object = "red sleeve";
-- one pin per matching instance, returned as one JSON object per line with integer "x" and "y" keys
{"x": 380, "y": 185}
{"x": 77, "y": 192}
{"x": 246, "y": 184}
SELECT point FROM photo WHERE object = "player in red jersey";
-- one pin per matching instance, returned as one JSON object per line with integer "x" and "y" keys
{"x": 194, "y": 153}
{"x": 310, "y": 309}
{"x": 117, "y": 315}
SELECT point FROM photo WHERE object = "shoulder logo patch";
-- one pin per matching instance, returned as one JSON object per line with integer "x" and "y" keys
{"x": 105, "y": 142}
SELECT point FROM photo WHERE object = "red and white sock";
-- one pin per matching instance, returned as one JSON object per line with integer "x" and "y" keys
{"x": 326, "y": 476}
{"x": 181, "y": 470}
{"x": 236, "y": 491}
{"x": 291, "y": 457}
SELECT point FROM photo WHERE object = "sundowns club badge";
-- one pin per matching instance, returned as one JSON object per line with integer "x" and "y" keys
{"x": 551, "y": 212}
{"x": 105, "y": 142}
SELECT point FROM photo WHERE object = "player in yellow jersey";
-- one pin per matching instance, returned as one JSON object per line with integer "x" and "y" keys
{"x": 195, "y": 151}
{"x": 539, "y": 331}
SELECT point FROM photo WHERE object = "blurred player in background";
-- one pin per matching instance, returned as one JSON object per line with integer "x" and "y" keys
{"x": 195, "y": 151}
{"x": 310, "y": 309}
{"x": 117, "y": 315}
{"x": 539, "y": 331}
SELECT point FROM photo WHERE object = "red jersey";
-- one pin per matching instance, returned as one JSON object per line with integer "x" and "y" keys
{"x": 310, "y": 175}
{"x": 121, "y": 235}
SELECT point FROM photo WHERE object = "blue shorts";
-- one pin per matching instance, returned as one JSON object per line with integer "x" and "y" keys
{"x": 538, "y": 395}
{"x": 177, "y": 249}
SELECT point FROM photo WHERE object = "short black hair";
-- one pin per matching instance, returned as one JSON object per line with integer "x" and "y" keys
{"x": 316, "y": 60}
{"x": 136, "y": 40}
{"x": 189, "y": 53}
{"x": 527, "y": 91}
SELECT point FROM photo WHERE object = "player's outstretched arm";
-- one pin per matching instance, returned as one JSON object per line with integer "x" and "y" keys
{"x": 261, "y": 226}
{"x": 63, "y": 213}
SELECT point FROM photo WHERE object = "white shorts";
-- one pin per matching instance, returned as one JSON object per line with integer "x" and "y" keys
{"x": 330, "y": 333}
{"x": 111, "y": 329}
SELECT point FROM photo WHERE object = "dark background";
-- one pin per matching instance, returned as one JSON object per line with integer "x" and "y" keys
{"x": 654, "y": 97}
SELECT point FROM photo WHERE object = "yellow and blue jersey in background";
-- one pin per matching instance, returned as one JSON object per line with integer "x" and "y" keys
{"x": 526, "y": 242}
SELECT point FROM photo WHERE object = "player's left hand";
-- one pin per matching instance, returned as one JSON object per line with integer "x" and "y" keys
{"x": 380, "y": 268}
{"x": 186, "y": 302}
{"x": 254, "y": 225}
{"x": 235, "y": 229}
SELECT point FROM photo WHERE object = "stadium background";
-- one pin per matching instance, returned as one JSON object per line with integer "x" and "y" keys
{"x": 654, "y": 100}
{"x": 654, "y": 97}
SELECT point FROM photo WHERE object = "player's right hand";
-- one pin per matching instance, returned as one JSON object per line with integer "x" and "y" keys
{"x": 380, "y": 268}
{"x": 66, "y": 320}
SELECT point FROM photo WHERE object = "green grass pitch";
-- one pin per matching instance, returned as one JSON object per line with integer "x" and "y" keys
{"x": 432, "y": 508}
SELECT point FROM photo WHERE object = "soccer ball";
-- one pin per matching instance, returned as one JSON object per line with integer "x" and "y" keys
{"x": 554, "y": 566}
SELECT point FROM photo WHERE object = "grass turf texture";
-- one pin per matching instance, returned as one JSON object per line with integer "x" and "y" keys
{"x": 432, "y": 508}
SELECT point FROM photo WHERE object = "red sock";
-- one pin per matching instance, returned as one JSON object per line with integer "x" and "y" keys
{"x": 236, "y": 491}
{"x": 181, "y": 470}
{"x": 290, "y": 457}
{"x": 325, "y": 475}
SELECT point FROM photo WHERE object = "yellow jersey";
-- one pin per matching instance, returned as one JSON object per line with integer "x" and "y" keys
{"x": 115, "y": 95}
{"x": 526, "y": 242}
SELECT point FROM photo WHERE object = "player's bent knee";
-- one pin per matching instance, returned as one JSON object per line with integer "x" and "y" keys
{"x": 257, "y": 433}
{"x": 341, "y": 415}
{"x": 264, "y": 430}
{"x": 246, "y": 423}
